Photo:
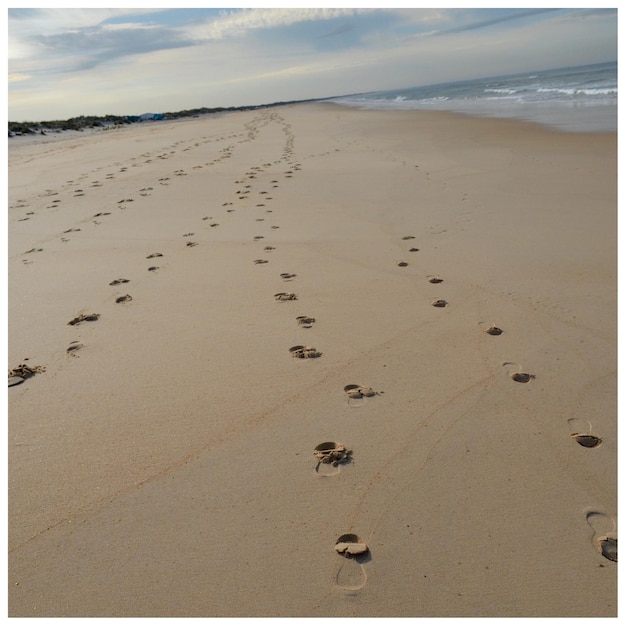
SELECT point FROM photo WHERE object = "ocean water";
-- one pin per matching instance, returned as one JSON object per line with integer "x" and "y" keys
{"x": 574, "y": 99}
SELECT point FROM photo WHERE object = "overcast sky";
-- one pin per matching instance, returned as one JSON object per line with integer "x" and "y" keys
{"x": 68, "y": 62}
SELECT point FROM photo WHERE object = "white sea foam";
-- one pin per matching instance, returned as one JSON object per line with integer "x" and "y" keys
{"x": 580, "y": 98}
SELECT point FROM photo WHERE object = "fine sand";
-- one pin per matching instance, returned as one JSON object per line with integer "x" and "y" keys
{"x": 204, "y": 443}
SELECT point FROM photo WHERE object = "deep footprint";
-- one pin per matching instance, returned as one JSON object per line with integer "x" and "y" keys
{"x": 604, "y": 533}
{"x": 351, "y": 575}
{"x": 580, "y": 431}
{"x": 330, "y": 455}
{"x": 515, "y": 373}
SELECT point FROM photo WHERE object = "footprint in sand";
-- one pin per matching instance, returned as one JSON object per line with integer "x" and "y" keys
{"x": 435, "y": 280}
{"x": 125, "y": 298}
{"x": 402, "y": 263}
{"x": 153, "y": 268}
{"x": 305, "y": 321}
{"x": 89, "y": 317}
{"x": 260, "y": 261}
{"x": 304, "y": 352}
{"x": 414, "y": 250}
{"x": 74, "y": 347}
{"x": 351, "y": 575}
{"x": 330, "y": 456}
{"x": 357, "y": 394}
{"x": 19, "y": 374}
{"x": 604, "y": 537}
{"x": 492, "y": 329}
{"x": 580, "y": 431}
{"x": 439, "y": 303}
{"x": 119, "y": 281}
{"x": 516, "y": 373}
{"x": 154, "y": 255}
{"x": 284, "y": 297}
{"x": 407, "y": 237}
{"x": 191, "y": 244}
{"x": 286, "y": 276}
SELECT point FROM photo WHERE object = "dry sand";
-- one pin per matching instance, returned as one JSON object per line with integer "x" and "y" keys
{"x": 167, "y": 467}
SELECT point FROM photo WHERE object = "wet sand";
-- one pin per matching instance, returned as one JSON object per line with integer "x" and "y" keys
{"x": 259, "y": 283}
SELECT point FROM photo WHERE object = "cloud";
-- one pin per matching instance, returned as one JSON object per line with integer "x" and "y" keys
{"x": 16, "y": 78}
{"x": 88, "y": 47}
{"x": 496, "y": 20}
{"x": 174, "y": 59}
{"x": 239, "y": 22}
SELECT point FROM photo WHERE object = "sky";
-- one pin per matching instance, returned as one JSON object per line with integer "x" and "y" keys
{"x": 68, "y": 62}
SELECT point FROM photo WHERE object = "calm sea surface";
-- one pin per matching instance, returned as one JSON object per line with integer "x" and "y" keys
{"x": 575, "y": 99}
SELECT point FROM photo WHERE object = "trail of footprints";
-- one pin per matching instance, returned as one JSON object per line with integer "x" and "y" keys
{"x": 330, "y": 456}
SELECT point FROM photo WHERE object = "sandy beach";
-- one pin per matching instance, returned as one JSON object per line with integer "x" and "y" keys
{"x": 249, "y": 286}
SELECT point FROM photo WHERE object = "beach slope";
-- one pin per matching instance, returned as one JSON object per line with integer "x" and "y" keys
{"x": 427, "y": 298}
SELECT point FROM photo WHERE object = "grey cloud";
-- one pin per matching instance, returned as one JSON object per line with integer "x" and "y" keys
{"x": 496, "y": 20}
{"x": 340, "y": 30}
{"x": 22, "y": 14}
{"x": 96, "y": 45}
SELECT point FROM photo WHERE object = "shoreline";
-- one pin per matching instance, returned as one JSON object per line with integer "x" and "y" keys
{"x": 587, "y": 120}
{"x": 163, "y": 464}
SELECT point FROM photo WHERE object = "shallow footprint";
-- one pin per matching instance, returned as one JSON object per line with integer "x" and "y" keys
{"x": 515, "y": 373}
{"x": 492, "y": 329}
{"x": 305, "y": 321}
{"x": 351, "y": 575}
{"x": 304, "y": 352}
{"x": 357, "y": 394}
{"x": 284, "y": 297}
{"x": 580, "y": 431}
{"x": 74, "y": 347}
{"x": 604, "y": 533}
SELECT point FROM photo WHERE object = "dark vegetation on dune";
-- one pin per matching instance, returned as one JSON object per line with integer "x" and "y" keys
{"x": 83, "y": 122}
